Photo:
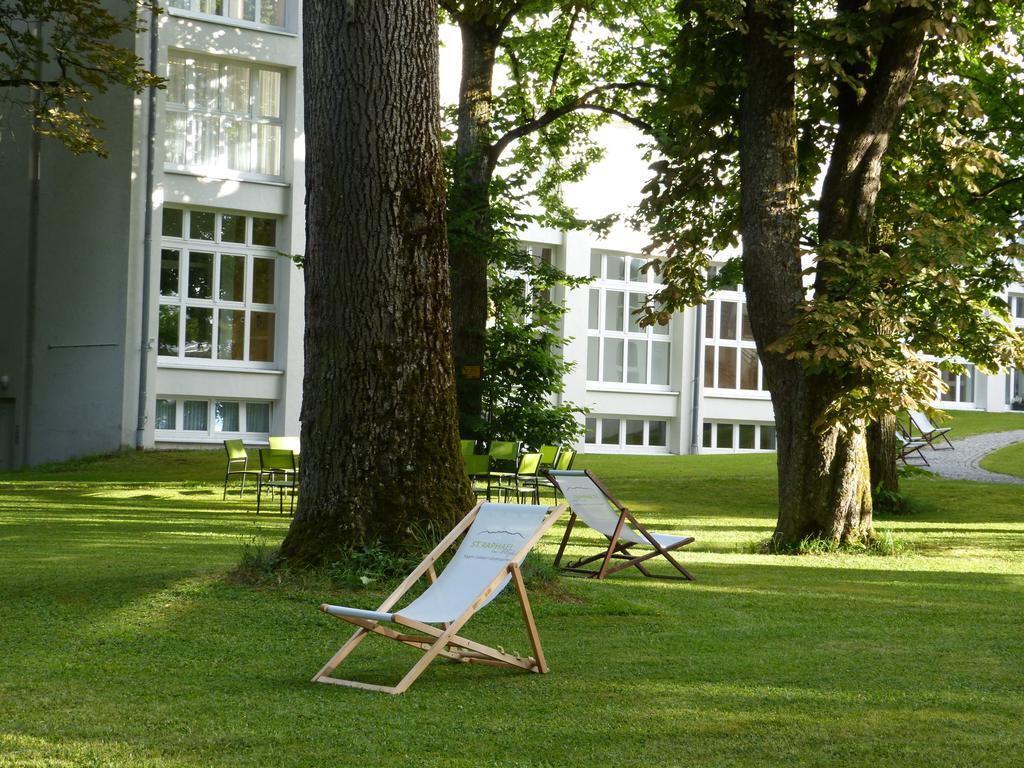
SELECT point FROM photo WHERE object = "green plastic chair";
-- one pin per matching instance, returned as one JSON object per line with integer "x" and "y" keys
{"x": 238, "y": 464}
{"x": 504, "y": 456}
{"x": 468, "y": 447}
{"x": 478, "y": 469}
{"x": 566, "y": 457}
{"x": 548, "y": 456}
{"x": 279, "y": 473}
{"x": 524, "y": 480}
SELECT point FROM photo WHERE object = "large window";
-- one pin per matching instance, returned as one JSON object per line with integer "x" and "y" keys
{"x": 619, "y": 351}
{"x": 727, "y": 436}
{"x": 627, "y": 433}
{"x": 223, "y": 116}
{"x": 266, "y": 12}
{"x": 198, "y": 419}
{"x": 959, "y": 386}
{"x": 730, "y": 355}
{"x": 218, "y": 275}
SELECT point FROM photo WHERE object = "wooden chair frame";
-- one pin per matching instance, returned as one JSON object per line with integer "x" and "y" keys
{"x": 445, "y": 642}
{"x": 618, "y": 550}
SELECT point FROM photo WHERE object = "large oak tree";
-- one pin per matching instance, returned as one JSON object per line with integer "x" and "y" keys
{"x": 380, "y": 454}
{"x": 788, "y": 120}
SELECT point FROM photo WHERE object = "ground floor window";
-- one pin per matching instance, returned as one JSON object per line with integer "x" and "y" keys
{"x": 959, "y": 386}
{"x": 626, "y": 433}
{"x": 1015, "y": 389}
{"x": 729, "y": 436}
{"x": 186, "y": 418}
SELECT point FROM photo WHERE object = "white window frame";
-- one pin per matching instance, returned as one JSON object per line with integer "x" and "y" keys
{"x": 715, "y": 424}
{"x": 599, "y": 289}
{"x": 185, "y": 246}
{"x": 957, "y": 383}
{"x": 193, "y": 115}
{"x": 714, "y": 343}
{"x": 211, "y": 434}
{"x": 193, "y": 9}
{"x": 621, "y": 446}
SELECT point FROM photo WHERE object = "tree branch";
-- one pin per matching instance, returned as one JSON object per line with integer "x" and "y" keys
{"x": 997, "y": 187}
{"x": 562, "y": 54}
{"x": 544, "y": 120}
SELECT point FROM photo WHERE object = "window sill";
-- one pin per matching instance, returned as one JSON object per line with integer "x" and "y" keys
{"x": 634, "y": 389}
{"x": 191, "y": 366}
{"x": 633, "y": 450}
{"x": 738, "y": 394}
{"x": 249, "y": 438}
{"x": 247, "y": 178}
{"x": 225, "y": 21}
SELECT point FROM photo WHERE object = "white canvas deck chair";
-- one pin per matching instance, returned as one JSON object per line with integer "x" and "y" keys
{"x": 590, "y": 501}
{"x": 498, "y": 538}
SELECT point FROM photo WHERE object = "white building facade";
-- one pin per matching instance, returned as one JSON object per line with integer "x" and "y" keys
{"x": 149, "y": 300}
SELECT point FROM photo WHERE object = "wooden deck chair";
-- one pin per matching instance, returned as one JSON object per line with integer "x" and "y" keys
{"x": 497, "y": 539}
{"x": 928, "y": 431}
{"x": 591, "y": 502}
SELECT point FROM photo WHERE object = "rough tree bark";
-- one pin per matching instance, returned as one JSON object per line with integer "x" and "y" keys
{"x": 470, "y": 201}
{"x": 824, "y": 476}
{"x": 380, "y": 449}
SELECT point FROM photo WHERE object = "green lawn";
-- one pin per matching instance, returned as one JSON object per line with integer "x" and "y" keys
{"x": 968, "y": 423}
{"x": 124, "y": 641}
{"x": 1007, "y": 461}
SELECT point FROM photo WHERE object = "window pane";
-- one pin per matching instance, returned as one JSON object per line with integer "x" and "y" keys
{"x": 593, "y": 360}
{"x": 659, "y": 362}
{"x": 709, "y": 320}
{"x": 709, "y": 366}
{"x": 200, "y": 275}
{"x": 166, "y": 414}
{"x": 614, "y": 306}
{"x": 636, "y": 370}
{"x": 949, "y": 379}
{"x": 232, "y": 278}
{"x": 768, "y": 437}
{"x": 205, "y": 84}
{"x": 261, "y": 337}
{"x": 657, "y": 434}
{"x": 708, "y": 431}
{"x": 727, "y": 321}
{"x": 268, "y": 148}
{"x": 594, "y": 309}
{"x": 175, "y": 131}
{"x": 660, "y": 330}
{"x": 613, "y": 349}
{"x": 173, "y": 226}
{"x": 198, "y": 332}
{"x": 746, "y": 333}
{"x": 609, "y": 431}
{"x": 211, "y": 6}
{"x": 270, "y": 92}
{"x": 264, "y": 232}
{"x": 636, "y": 303}
{"x": 616, "y": 266}
{"x": 748, "y": 369}
{"x": 727, "y": 367}
{"x": 636, "y": 274}
{"x": 207, "y": 145}
{"x": 724, "y": 435}
{"x": 272, "y": 12}
{"x": 231, "y": 334}
{"x": 200, "y": 225}
{"x": 257, "y": 417}
{"x": 232, "y": 228}
{"x": 225, "y": 417}
{"x": 176, "y": 69}
{"x": 263, "y": 281}
{"x": 238, "y": 142}
{"x": 591, "y": 430}
{"x": 967, "y": 385}
{"x": 170, "y": 261}
{"x": 747, "y": 432}
{"x": 634, "y": 432}
{"x": 236, "y": 89}
{"x": 195, "y": 415}
{"x": 167, "y": 338}
{"x": 595, "y": 263}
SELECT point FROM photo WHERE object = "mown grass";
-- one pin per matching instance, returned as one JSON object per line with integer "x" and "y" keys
{"x": 125, "y": 640}
{"x": 969, "y": 423}
{"x": 1006, "y": 461}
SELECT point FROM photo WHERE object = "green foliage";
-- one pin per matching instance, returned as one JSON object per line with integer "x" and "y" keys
{"x": 84, "y": 49}
{"x": 944, "y": 241}
{"x": 878, "y": 544}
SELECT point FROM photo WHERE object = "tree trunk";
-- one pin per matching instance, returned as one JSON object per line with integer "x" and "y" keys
{"x": 380, "y": 452}
{"x": 471, "y": 229}
{"x": 824, "y": 486}
{"x": 882, "y": 454}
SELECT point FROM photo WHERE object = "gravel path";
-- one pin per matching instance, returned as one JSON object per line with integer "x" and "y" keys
{"x": 962, "y": 463}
